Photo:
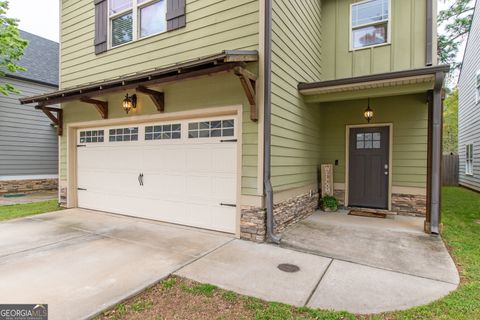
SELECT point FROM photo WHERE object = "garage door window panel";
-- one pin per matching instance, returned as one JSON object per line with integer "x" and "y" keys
{"x": 92, "y": 136}
{"x": 211, "y": 129}
{"x": 123, "y": 134}
{"x": 163, "y": 132}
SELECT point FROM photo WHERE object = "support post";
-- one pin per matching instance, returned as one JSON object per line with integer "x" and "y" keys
{"x": 249, "y": 83}
{"x": 101, "y": 106}
{"x": 157, "y": 97}
{"x": 436, "y": 159}
{"x": 56, "y": 119}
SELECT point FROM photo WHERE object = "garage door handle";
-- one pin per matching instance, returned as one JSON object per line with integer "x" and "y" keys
{"x": 229, "y": 140}
{"x": 140, "y": 179}
{"x": 228, "y": 205}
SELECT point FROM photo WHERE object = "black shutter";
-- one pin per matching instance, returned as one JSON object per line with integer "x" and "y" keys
{"x": 101, "y": 26}
{"x": 175, "y": 14}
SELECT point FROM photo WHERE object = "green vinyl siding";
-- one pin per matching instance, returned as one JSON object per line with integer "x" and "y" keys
{"x": 406, "y": 51}
{"x": 296, "y": 57}
{"x": 409, "y": 116}
{"x": 212, "y": 26}
{"x": 226, "y": 90}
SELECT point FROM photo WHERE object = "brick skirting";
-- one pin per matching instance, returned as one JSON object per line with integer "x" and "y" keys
{"x": 14, "y": 186}
{"x": 286, "y": 213}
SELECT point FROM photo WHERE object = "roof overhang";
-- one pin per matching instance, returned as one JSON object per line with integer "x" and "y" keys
{"x": 376, "y": 85}
{"x": 225, "y": 61}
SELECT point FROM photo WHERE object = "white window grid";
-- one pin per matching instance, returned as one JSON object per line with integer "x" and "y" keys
{"x": 123, "y": 134}
{"x": 137, "y": 5}
{"x": 92, "y": 136}
{"x": 163, "y": 132}
{"x": 387, "y": 21}
{"x": 211, "y": 129}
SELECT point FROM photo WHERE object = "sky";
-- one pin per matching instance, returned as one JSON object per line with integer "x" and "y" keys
{"x": 40, "y": 17}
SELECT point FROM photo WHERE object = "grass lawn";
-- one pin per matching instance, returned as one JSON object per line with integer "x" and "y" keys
{"x": 28, "y": 209}
{"x": 177, "y": 298}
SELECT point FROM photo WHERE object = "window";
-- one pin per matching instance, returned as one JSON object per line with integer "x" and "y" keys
{"x": 134, "y": 19}
{"x": 369, "y": 140}
{"x": 163, "y": 132}
{"x": 477, "y": 87}
{"x": 123, "y": 134}
{"x": 369, "y": 23}
{"x": 469, "y": 159}
{"x": 93, "y": 136}
{"x": 211, "y": 129}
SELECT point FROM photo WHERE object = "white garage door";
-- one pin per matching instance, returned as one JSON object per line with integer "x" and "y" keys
{"x": 181, "y": 172}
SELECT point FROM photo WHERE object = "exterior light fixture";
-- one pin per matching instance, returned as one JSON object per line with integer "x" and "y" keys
{"x": 368, "y": 113}
{"x": 129, "y": 103}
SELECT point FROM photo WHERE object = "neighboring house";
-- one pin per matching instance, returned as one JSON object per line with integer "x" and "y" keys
{"x": 469, "y": 109}
{"x": 211, "y": 114}
{"x": 28, "y": 141}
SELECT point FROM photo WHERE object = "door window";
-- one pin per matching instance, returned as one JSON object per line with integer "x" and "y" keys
{"x": 123, "y": 134}
{"x": 369, "y": 140}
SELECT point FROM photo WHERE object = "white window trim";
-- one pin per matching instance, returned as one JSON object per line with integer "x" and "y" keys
{"x": 469, "y": 168}
{"x": 135, "y": 22}
{"x": 388, "y": 21}
{"x": 477, "y": 87}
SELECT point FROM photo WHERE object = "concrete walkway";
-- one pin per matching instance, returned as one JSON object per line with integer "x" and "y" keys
{"x": 81, "y": 262}
{"x": 29, "y": 198}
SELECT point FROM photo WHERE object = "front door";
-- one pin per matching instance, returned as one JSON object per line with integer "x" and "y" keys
{"x": 369, "y": 167}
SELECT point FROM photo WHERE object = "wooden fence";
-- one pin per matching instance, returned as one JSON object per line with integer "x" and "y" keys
{"x": 450, "y": 169}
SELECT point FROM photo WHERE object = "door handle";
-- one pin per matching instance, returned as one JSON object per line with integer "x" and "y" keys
{"x": 386, "y": 173}
{"x": 140, "y": 179}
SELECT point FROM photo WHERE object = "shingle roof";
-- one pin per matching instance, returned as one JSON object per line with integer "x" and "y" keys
{"x": 40, "y": 59}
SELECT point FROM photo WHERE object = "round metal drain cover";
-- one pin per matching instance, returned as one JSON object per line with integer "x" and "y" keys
{"x": 286, "y": 267}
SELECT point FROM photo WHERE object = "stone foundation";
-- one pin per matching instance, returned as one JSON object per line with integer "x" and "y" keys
{"x": 286, "y": 213}
{"x": 409, "y": 204}
{"x": 63, "y": 193}
{"x": 15, "y": 186}
{"x": 402, "y": 204}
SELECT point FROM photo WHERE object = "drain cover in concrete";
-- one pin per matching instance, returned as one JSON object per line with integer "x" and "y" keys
{"x": 286, "y": 267}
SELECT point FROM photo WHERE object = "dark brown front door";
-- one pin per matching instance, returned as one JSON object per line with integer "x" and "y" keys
{"x": 369, "y": 167}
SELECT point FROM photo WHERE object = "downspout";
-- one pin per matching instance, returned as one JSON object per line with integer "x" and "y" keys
{"x": 267, "y": 122}
{"x": 429, "y": 35}
{"x": 436, "y": 154}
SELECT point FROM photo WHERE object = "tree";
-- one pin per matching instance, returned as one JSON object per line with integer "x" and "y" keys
{"x": 450, "y": 123}
{"x": 455, "y": 22}
{"x": 11, "y": 47}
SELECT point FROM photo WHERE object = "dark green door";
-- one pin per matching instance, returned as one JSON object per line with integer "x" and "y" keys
{"x": 369, "y": 167}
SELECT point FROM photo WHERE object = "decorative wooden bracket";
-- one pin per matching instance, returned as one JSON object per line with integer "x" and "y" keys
{"x": 158, "y": 98}
{"x": 56, "y": 119}
{"x": 249, "y": 82}
{"x": 101, "y": 106}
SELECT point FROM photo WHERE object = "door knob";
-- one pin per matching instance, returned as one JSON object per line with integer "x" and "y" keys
{"x": 386, "y": 173}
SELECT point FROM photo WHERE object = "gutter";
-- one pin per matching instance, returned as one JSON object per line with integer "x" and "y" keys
{"x": 429, "y": 35}
{"x": 267, "y": 121}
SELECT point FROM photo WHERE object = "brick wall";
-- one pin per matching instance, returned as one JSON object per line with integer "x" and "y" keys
{"x": 14, "y": 186}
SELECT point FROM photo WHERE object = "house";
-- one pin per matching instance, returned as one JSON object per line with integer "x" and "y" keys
{"x": 28, "y": 142}
{"x": 468, "y": 109}
{"x": 217, "y": 114}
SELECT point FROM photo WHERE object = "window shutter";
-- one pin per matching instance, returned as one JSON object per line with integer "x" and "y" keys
{"x": 101, "y": 22}
{"x": 175, "y": 14}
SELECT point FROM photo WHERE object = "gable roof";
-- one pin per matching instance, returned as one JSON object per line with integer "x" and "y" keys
{"x": 40, "y": 59}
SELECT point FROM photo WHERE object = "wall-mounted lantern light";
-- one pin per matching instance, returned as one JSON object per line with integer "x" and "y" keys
{"x": 129, "y": 103}
{"x": 368, "y": 113}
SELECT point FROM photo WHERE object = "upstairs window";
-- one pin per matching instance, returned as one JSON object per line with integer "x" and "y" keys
{"x": 134, "y": 19}
{"x": 469, "y": 159}
{"x": 369, "y": 23}
{"x": 477, "y": 87}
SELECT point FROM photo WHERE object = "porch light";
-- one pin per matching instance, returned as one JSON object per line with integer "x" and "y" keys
{"x": 368, "y": 113}
{"x": 129, "y": 103}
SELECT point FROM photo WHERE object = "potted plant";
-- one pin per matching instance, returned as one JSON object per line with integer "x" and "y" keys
{"x": 329, "y": 203}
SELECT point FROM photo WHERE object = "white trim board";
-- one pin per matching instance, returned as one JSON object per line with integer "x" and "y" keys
{"x": 29, "y": 177}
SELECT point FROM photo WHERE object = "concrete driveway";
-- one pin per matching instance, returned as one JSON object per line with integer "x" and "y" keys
{"x": 80, "y": 261}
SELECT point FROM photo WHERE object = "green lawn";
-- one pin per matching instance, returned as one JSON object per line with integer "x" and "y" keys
{"x": 28, "y": 209}
{"x": 177, "y": 298}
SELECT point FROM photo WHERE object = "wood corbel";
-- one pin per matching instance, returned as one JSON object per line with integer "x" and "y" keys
{"x": 101, "y": 106}
{"x": 249, "y": 82}
{"x": 56, "y": 118}
{"x": 157, "y": 97}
